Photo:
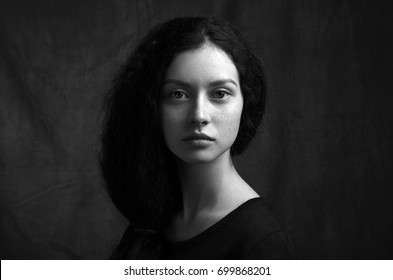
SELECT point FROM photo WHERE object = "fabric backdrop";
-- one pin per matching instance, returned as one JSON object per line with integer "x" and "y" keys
{"x": 323, "y": 158}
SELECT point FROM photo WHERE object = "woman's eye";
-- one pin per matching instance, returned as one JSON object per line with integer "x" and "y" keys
{"x": 178, "y": 94}
{"x": 220, "y": 94}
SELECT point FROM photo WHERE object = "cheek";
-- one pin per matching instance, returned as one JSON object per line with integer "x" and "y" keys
{"x": 231, "y": 122}
{"x": 170, "y": 121}
{"x": 165, "y": 123}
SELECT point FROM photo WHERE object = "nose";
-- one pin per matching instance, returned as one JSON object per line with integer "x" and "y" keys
{"x": 199, "y": 115}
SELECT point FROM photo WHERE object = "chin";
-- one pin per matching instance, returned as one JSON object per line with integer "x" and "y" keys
{"x": 196, "y": 160}
{"x": 202, "y": 157}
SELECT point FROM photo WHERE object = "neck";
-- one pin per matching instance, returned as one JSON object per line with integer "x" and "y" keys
{"x": 204, "y": 185}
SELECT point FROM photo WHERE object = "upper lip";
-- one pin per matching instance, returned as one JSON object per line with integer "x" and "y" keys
{"x": 198, "y": 136}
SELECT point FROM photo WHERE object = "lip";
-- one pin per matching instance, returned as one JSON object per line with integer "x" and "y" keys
{"x": 198, "y": 136}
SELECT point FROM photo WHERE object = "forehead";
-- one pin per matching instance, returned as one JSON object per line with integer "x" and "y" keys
{"x": 204, "y": 64}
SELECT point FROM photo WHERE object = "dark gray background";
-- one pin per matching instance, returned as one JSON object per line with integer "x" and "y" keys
{"x": 323, "y": 158}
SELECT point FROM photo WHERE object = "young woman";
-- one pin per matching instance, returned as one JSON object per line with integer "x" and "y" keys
{"x": 188, "y": 99}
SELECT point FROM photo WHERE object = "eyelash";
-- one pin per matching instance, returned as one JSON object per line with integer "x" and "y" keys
{"x": 226, "y": 93}
{"x": 172, "y": 94}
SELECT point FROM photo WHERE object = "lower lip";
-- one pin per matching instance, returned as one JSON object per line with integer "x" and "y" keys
{"x": 199, "y": 142}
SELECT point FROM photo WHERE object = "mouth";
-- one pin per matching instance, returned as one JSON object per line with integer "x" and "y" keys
{"x": 198, "y": 137}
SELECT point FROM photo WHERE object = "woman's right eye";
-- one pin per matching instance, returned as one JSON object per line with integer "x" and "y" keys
{"x": 178, "y": 95}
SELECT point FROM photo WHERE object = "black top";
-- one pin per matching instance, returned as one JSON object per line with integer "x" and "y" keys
{"x": 248, "y": 232}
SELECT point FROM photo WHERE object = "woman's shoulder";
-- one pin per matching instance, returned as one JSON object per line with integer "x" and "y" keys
{"x": 248, "y": 232}
{"x": 256, "y": 216}
{"x": 137, "y": 243}
{"x": 263, "y": 237}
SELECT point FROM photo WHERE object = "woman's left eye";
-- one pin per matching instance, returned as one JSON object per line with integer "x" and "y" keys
{"x": 220, "y": 94}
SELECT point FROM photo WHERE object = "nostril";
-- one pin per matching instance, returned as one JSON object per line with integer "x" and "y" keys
{"x": 199, "y": 122}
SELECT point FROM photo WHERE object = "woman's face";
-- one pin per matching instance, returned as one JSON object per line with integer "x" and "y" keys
{"x": 201, "y": 105}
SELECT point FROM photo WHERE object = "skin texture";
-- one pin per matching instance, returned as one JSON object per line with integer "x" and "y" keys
{"x": 202, "y": 94}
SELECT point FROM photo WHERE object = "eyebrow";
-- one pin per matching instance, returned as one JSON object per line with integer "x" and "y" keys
{"x": 212, "y": 84}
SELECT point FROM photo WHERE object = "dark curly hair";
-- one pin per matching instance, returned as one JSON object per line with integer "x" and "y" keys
{"x": 138, "y": 168}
